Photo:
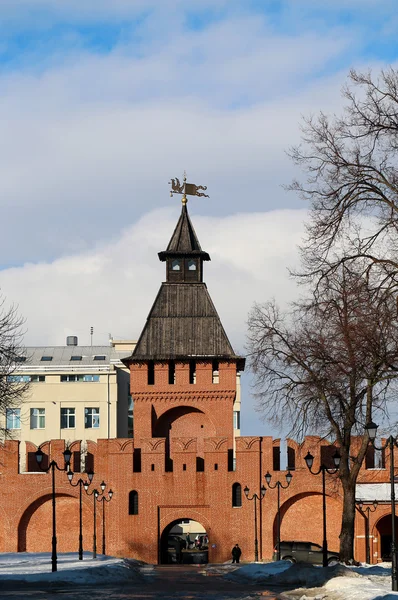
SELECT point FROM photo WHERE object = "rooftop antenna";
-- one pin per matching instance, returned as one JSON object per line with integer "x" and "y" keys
{"x": 91, "y": 335}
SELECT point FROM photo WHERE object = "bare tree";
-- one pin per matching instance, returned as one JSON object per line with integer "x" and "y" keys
{"x": 352, "y": 180}
{"x": 12, "y": 388}
{"x": 328, "y": 365}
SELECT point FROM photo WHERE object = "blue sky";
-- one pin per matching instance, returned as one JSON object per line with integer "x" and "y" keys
{"x": 103, "y": 101}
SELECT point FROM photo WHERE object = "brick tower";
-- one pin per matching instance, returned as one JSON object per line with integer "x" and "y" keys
{"x": 183, "y": 369}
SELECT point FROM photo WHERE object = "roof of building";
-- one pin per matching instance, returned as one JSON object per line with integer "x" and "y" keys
{"x": 52, "y": 357}
{"x": 183, "y": 323}
{"x": 184, "y": 239}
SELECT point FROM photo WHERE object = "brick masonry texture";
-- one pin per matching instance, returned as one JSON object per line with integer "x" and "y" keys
{"x": 175, "y": 425}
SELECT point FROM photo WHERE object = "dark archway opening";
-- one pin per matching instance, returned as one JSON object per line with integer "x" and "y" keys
{"x": 385, "y": 536}
{"x": 184, "y": 541}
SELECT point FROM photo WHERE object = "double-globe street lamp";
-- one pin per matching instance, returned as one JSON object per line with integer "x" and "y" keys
{"x": 371, "y": 429}
{"x": 94, "y": 494}
{"x": 278, "y": 485}
{"x": 309, "y": 459}
{"x": 80, "y": 482}
{"x": 51, "y": 467}
{"x": 103, "y": 499}
{"x": 365, "y": 511}
{"x": 98, "y": 496}
{"x": 255, "y": 497}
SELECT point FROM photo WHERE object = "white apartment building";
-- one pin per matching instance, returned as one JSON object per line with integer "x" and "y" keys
{"x": 76, "y": 393}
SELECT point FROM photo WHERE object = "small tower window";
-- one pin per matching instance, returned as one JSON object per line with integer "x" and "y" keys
{"x": 192, "y": 265}
{"x": 236, "y": 494}
{"x": 151, "y": 373}
{"x": 176, "y": 265}
{"x": 133, "y": 503}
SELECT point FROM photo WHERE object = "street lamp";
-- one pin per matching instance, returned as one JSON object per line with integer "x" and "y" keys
{"x": 367, "y": 509}
{"x": 94, "y": 494}
{"x": 80, "y": 482}
{"x": 371, "y": 429}
{"x": 52, "y": 466}
{"x": 103, "y": 499}
{"x": 255, "y": 497}
{"x": 278, "y": 485}
{"x": 309, "y": 459}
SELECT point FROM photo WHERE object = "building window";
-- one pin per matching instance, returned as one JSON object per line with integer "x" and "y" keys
{"x": 133, "y": 503}
{"x": 215, "y": 371}
{"x": 236, "y": 419}
{"x": 151, "y": 372}
{"x": 46, "y": 358}
{"x": 37, "y": 418}
{"x": 91, "y": 418}
{"x": 236, "y": 494}
{"x": 99, "y": 357}
{"x": 79, "y": 378}
{"x": 20, "y": 359}
{"x": 26, "y": 378}
{"x": 192, "y": 371}
{"x": 75, "y": 357}
{"x": 13, "y": 418}
{"x": 130, "y": 417}
{"x": 67, "y": 418}
{"x": 172, "y": 372}
{"x": 291, "y": 458}
{"x": 191, "y": 265}
{"x": 175, "y": 265}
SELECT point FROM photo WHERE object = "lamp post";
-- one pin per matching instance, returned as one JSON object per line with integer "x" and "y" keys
{"x": 52, "y": 466}
{"x": 367, "y": 509}
{"x": 371, "y": 429}
{"x": 255, "y": 497}
{"x": 103, "y": 499}
{"x": 309, "y": 459}
{"x": 278, "y": 485}
{"x": 80, "y": 483}
{"x": 94, "y": 494}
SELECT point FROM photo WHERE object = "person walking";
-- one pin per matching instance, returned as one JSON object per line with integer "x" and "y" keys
{"x": 236, "y": 554}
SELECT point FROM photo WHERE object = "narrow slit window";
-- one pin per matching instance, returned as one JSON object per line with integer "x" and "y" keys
{"x": 236, "y": 495}
{"x": 151, "y": 372}
{"x": 192, "y": 371}
{"x": 172, "y": 372}
{"x": 133, "y": 503}
{"x": 215, "y": 369}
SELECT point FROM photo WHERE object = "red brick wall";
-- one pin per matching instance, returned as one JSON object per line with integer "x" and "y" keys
{"x": 183, "y": 493}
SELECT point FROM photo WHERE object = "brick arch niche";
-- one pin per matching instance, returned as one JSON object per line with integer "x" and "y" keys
{"x": 306, "y": 508}
{"x": 35, "y": 525}
{"x": 183, "y": 422}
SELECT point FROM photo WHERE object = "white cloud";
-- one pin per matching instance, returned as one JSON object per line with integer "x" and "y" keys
{"x": 112, "y": 286}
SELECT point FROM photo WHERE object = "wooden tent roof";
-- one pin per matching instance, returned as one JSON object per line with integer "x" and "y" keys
{"x": 184, "y": 240}
{"x": 183, "y": 324}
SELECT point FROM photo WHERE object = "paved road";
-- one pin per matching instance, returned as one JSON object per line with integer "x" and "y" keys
{"x": 182, "y": 582}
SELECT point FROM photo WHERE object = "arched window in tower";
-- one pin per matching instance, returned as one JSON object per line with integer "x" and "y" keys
{"x": 133, "y": 503}
{"x": 176, "y": 265}
{"x": 191, "y": 265}
{"x": 236, "y": 495}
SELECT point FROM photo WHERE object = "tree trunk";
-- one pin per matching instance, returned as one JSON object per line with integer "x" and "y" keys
{"x": 348, "y": 520}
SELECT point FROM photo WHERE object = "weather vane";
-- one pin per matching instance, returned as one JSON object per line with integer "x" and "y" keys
{"x": 186, "y": 189}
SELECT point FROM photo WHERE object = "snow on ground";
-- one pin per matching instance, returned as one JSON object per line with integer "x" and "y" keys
{"x": 366, "y": 582}
{"x": 34, "y": 567}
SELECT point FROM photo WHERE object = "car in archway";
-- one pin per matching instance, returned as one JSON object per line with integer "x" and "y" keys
{"x": 307, "y": 552}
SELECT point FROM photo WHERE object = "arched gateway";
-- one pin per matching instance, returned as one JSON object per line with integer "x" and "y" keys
{"x": 184, "y": 541}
